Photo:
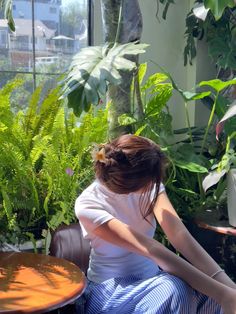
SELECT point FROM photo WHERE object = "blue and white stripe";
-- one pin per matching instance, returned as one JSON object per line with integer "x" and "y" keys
{"x": 162, "y": 294}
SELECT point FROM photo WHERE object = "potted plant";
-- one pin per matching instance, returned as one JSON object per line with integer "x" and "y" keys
{"x": 226, "y": 166}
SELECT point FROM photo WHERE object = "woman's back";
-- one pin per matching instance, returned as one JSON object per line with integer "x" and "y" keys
{"x": 95, "y": 206}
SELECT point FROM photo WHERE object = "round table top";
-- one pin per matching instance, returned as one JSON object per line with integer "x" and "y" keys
{"x": 211, "y": 220}
{"x": 36, "y": 283}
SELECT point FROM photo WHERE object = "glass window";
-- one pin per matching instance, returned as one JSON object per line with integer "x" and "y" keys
{"x": 53, "y": 10}
{"x": 48, "y": 34}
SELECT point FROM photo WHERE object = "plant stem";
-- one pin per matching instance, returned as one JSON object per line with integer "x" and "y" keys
{"x": 140, "y": 112}
{"x": 209, "y": 123}
{"x": 188, "y": 122}
{"x": 199, "y": 179}
{"x": 119, "y": 22}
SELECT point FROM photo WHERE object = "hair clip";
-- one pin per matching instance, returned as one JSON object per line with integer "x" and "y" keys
{"x": 100, "y": 155}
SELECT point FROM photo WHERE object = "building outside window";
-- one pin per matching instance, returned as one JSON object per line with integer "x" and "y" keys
{"x": 48, "y": 34}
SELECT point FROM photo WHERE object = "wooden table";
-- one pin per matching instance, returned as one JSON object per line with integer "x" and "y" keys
{"x": 37, "y": 283}
{"x": 211, "y": 220}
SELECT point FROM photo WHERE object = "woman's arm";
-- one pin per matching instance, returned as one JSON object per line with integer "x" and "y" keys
{"x": 183, "y": 241}
{"x": 120, "y": 234}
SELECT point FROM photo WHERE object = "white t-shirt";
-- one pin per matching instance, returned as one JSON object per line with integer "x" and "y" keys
{"x": 97, "y": 205}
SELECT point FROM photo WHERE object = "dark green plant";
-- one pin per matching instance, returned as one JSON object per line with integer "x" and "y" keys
{"x": 217, "y": 26}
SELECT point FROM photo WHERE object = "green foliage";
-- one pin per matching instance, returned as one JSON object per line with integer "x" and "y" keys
{"x": 192, "y": 155}
{"x": 217, "y": 7}
{"x": 218, "y": 28}
{"x": 93, "y": 68}
{"x": 45, "y": 162}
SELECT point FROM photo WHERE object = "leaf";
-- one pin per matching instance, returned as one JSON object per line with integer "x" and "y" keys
{"x": 217, "y": 84}
{"x": 141, "y": 72}
{"x": 191, "y": 166}
{"x": 194, "y": 96}
{"x": 229, "y": 114}
{"x": 200, "y": 11}
{"x": 93, "y": 68}
{"x": 221, "y": 48}
{"x": 217, "y": 7}
{"x": 154, "y": 80}
{"x": 140, "y": 130}
{"x": 212, "y": 178}
{"x": 156, "y": 103}
{"x": 186, "y": 158}
{"x": 125, "y": 119}
{"x": 185, "y": 94}
{"x": 6, "y": 6}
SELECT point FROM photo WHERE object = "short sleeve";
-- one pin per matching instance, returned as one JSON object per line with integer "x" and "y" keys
{"x": 161, "y": 188}
{"x": 91, "y": 215}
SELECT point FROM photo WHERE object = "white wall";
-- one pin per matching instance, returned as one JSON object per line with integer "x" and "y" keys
{"x": 166, "y": 39}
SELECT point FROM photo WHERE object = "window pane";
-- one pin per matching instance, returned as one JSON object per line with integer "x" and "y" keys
{"x": 60, "y": 32}
{"x": 20, "y": 41}
{"x": 23, "y": 90}
{"x": 47, "y": 81}
{"x": 45, "y": 41}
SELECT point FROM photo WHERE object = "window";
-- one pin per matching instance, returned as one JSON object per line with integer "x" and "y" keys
{"x": 3, "y": 38}
{"x": 53, "y": 10}
{"x": 48, "y": 34}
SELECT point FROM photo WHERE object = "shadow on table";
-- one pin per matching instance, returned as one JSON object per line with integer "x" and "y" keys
{"x": 46, "y": 267}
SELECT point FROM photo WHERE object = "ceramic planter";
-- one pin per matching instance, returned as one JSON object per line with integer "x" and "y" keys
{"x": 231, "y": 196}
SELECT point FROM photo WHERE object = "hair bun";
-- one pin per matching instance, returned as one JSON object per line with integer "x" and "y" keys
{"x": 118, "y": 155}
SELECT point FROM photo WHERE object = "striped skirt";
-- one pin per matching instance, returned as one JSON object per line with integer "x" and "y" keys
{"x": 162, "y": 294}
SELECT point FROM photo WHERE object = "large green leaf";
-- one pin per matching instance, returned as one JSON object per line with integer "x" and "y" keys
{"x": 194, "y": 96}
{"x": 217, "y": 84}
{"x": 186, "y": 158}
{"x": 6, "y": 7}
{"x": 217, "y": 7}
{"x": 93, "y": 69}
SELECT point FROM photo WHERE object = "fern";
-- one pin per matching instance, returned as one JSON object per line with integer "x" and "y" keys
{"x": 39, "y": 145}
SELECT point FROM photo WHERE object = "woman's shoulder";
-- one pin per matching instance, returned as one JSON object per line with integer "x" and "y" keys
{"x": 91, "y": 196}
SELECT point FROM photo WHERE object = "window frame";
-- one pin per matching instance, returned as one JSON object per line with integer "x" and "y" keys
{"x": 33, "y": 72}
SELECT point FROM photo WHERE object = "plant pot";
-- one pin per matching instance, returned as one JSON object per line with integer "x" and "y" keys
{"x": 231, "y": 196}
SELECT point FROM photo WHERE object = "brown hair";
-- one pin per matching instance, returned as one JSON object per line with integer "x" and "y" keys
{"x": 131, "y": 163}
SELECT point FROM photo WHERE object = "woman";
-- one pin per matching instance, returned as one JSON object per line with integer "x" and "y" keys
{"x": 129, "y": 271}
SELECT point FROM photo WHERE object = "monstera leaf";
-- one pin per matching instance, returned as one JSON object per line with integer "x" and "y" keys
{"x": 6, "y": 7}
{"x": 217, "y": 7}
{"x": 93, "y": 69}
